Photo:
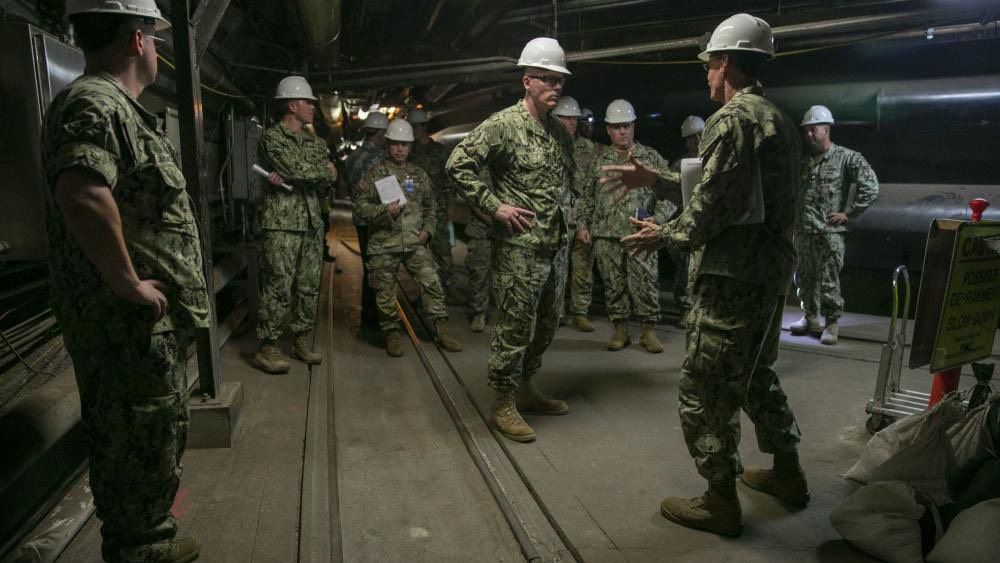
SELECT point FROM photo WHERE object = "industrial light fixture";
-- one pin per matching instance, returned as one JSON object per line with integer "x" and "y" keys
{"x": 930, "y": 33}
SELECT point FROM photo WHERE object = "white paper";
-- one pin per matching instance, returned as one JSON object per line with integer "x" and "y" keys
{"x": 690, "y": 177}
{"x": 257, "y": 168}
{"x": 389, "y": 191}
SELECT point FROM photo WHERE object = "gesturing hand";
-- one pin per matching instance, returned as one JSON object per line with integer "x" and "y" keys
{"x": 393, "y": 208}
{"x": 646, "y": 241}
{"x": 622, "y": 178}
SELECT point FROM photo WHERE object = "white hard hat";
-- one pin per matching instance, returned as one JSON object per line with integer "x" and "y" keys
{"x": 817, "y": 115}
{"x": 741, "y": 32}
{"x": 137, "y": 8}
{"x": 544, "y": 52}
{"x": 417, "y": 116}
{"x": 294, "y": 88}
{"x": 376, "y": 120}
{"x": 399, "y": 130}
{"x": 567, "y": 107}
{"x": 619, "y": 111}
{"x": 692, "y": 125}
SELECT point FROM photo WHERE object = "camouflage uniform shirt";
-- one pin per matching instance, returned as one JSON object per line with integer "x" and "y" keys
{"x": 749, "y": 129}
{"x": 431, "y": 156}
{"x": 531, "y": 164}
{"x": 301, "y": 159}
{"x": 826, "y": 182}
{"x": 603, "y": 216}
{"x": 94, "y": 124}
{"x": 396, "y": 234}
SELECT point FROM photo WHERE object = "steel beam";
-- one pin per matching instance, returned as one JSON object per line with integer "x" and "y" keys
{"x": 206, "y": 19}
{"x": 189, "y": 108}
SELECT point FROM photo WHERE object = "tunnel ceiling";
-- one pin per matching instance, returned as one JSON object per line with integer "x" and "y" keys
{"x": 386, "y": 50}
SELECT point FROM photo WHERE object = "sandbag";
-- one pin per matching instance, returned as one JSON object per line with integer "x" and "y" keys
{"x": 972, "y": 536}
{"x": 970, "y": 435}
{"x": 925, "y": 432}
{"x": 881, "y": 519}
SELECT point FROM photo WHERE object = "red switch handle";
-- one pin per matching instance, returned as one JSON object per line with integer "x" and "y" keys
{"x": 978, "y": 205}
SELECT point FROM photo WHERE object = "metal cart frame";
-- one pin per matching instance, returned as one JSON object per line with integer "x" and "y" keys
{"x": 890, "y": 401}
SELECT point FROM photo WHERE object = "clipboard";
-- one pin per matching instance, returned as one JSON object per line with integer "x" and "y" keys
{"x": 691, "y": 176}
{"x": 389, "y": 190}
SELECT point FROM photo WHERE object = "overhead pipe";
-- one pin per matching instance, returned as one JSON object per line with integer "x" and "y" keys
{"x": 935, "y": 104}
{"x": 321, "y": 22}
{"x": 473, "y": 28}
{"x": 426, "y": 73}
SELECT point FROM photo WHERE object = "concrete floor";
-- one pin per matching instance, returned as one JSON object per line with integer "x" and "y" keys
{"x": 404, "y": 485}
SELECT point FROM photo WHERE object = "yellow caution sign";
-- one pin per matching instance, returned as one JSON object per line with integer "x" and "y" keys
{"x": 971, "y": 305}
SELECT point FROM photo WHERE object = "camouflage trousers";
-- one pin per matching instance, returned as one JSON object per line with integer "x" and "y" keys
{"x": 440, "y": 246}
{"x": 820, "y": 260}
{"x": 732, "y": 345}
{"x": 477, "y": 261}
{"x": 529, "y": 285}
{"x": 382, "y": 268}
{"x": 291, "y": 264}
{"x": 581, "y": 278}
{"x": 682, "y": 289}
{"x": 133, "y": 399}
{"x": 631, "y": 283}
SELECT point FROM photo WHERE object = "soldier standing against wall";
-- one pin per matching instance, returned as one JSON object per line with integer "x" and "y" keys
{"x": 691, "y": 129}
{"x": 372, "y": 150}
{"x": 738, "y": 226}
{"x": 431, "y": 156}
{"x": 838, "y": 185}
{"x": 530, "y": 157}
{"x": 291, "y": 221}
{"x": 398, "y": 234}
{"x": 631, "y": 283}
{"x": 126, "y": 277}
{"x": 478, "y": 260}
{"x": 581, "y": 275}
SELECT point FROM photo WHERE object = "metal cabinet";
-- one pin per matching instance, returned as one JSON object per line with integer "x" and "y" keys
{"x": 34, "y": 67}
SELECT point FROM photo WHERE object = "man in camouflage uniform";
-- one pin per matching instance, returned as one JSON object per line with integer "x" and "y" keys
{"x": 838, "y": 185}
{"x": 398, "y": 233}
{"x": 581, "y": 276}
{"x": 361, "y": 160}
{"x": 126, "y": 276}
{"x": 431, "y": 156}
{"x": 631, "y": 283}
{"x": 738, "y": 226}
{"x": 292, "y": 227}
{"x": 691, "y": 129}
{"x": 530, "y": 157}
{"x": 478, "y": 258}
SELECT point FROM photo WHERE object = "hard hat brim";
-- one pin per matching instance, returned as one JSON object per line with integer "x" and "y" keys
{"x": 312, "y": 98}
{"x": 554, "y": 68}
{"x": 705, "y": 55}
{"x": 820, "y": 122}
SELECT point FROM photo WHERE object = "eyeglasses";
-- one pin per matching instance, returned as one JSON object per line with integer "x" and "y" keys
{"x": 152, "y": 35}
{"x": 708, "y": 66}
{"x": 548, "y": 79}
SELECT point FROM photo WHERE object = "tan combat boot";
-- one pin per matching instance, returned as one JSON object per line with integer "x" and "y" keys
{"x": 806, "y": 325}
{"x": 790, "y": 489}
{"x": 531, "y": 400}
{"x": 649, "y": 340}
{"x": 446, "y": 341}
{"x": 830, "y": 333}
{"x": 621, "y": 338}
{"x": 177, "y": 550}
{"x": 302, "y": 350}
{"x": 582, "y": 323}
{"x": 478, "y": 323}
{"x": 393, "y": 346}
{"x": 715, "y": 512}
{"x": 508, "y": 421}
{"x": 269, "y": 358}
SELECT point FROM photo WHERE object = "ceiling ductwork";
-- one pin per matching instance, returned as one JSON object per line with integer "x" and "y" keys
{"x": 321, "y": 22}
